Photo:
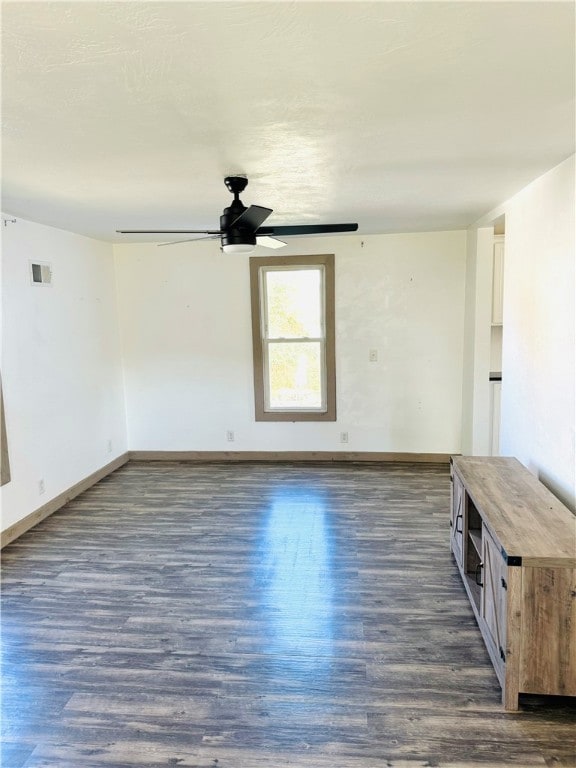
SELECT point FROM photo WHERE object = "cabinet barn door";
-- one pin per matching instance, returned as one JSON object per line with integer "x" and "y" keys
{"x": 493, "y": 604}
{"x": 457, "y": 519}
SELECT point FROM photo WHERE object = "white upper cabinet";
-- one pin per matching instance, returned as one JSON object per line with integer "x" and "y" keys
{"x": 498, "y": 280}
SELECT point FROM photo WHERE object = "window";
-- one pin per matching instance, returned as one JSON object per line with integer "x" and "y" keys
{"x": 293, "y": 338}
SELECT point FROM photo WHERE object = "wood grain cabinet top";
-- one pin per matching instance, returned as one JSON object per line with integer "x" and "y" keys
{"x": 520, "y": 512}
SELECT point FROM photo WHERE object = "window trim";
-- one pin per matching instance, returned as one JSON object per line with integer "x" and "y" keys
{"x": 327, "y": 262}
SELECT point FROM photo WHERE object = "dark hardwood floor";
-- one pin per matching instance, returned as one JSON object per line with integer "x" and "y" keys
{"x": 255, "y": 616}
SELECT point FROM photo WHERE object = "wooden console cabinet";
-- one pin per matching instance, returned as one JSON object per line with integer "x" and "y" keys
{"x": 515, "y": 546}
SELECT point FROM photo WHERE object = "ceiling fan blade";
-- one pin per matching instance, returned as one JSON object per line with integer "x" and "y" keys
{"x": 190, "y": 240}
{"x": 307, "y": 229}
{"x": 252, "y": 217}
{"x": 269, "y": 242}
{"x": 168, "y": 231}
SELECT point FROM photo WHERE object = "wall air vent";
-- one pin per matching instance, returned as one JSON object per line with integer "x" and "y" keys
{"x": 40, "y": 273}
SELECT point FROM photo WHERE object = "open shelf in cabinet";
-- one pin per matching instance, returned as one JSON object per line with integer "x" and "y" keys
{"x": 475, "y": 537}
{"x": 473, "y": 551}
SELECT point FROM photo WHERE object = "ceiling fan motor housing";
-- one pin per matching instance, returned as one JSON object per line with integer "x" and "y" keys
{"x": 235, "y": 235}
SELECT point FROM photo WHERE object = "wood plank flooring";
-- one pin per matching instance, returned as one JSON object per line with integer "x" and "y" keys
{"x": 256, "y": 615}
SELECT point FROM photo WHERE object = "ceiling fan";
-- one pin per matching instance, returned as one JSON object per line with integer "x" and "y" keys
{"x": 241, "y": 227}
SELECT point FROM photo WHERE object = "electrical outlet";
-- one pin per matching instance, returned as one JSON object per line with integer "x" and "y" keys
{"x": 373, "y": 355}
{"x": 230, "y": 436}
{"x": 343, "y": 437}
{"x": 109, "y": 446}
{"x": 41, "y": 486}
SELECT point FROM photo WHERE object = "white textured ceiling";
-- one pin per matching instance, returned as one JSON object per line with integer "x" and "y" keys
{"x": 402, "y": 116}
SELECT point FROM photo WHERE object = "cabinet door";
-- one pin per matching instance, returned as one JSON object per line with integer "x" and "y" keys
{"x": 498, "y": 283}
{"x": 495, "y": 397}
{"x": 493, "y": 601}
{"x": 457, "y": 519}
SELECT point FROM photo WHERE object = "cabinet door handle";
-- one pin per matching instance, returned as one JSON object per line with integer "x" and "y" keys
{"x": 478, "y": 574}
{"x": 458, "y": 517}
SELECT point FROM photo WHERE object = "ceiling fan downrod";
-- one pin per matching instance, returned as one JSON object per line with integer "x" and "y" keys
{"x": 236, "y": 231}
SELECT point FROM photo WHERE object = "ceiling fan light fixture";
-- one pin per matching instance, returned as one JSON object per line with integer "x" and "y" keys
{"x": 238, "y": 248}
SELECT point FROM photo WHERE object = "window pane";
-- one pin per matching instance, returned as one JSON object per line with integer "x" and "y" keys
{"x": 293, "y": 303}
{"x": 295, "y": 375}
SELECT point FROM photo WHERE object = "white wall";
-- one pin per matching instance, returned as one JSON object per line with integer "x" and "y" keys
{"x": 477, "y": 354}
{"x": 186, "y": 335}
{"x": 61, "y": 366}
{"x": 538, "y": 387}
